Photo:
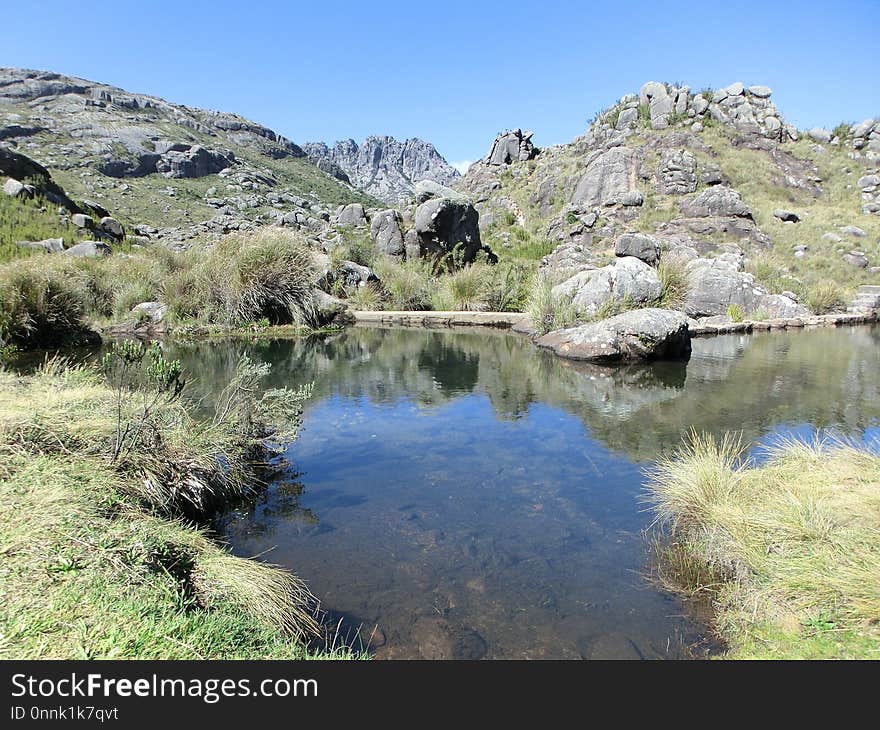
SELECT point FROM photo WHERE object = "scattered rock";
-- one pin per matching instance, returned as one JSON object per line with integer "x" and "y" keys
{"x": 677, "y": 172}
{"x": 49, "y": 245}
{"x": 15, "y": 189}
{"x": 641, "y": 245}
{"x": 786, "y": 216}
{"x": 81, "y": 220}
{"x": 438, "y": 638}
{"x": 853, "y": 231}
{"x": 640, "y": 334}
{"x": 857, "y": 259}
{"x": 111, "y": 227}
{"x": 89, "y": 249}
{"x": 818, "y": 134}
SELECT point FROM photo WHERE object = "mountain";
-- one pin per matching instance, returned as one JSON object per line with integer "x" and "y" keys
{"x": 156, "y": 163}
{"x": 382, "y": 166}
{"x": 717, "y": 181}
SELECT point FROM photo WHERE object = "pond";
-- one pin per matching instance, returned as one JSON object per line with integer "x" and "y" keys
{"x": 462, "y": 494}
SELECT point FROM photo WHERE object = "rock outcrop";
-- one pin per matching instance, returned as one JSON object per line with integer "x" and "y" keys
{"x": 509, "y": 147}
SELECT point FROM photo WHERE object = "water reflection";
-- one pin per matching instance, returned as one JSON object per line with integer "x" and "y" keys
{"x": 471, "y": 495}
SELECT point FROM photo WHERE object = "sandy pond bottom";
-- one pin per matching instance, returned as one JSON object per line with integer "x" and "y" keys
{"x": 462, "y": 495}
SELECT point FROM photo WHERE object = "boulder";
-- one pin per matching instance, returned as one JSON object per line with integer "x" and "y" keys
{"x": 606, "y": 180}
{"x": 352, "y": 274}
{"x": 15, "y": 189}
{"x": 89, "y": 249}
{"x": 328, "y": 310}
{"x": 857, "y": 259}
{"x": 718, "y": 200}
{"x": 660, "y": 103}
{"x": 713, "y": 285}
{"x": 49, "y": 245}
{"x": 786, "y": 216}
{"x": 427, "y": 189}
{"x": 761, "y": 92}
{"x": 628, "y": 279}
{"x": 438, "y": 638}
{"x": 81, "y": 220}
{"x": 640, "y": 334}
{"x": 444, "y": 225}
{"x": 386, "y": 234}
{"x": 154, "y": 311}
{"x": 853, "y": 231}
{"x": 641, "y": 245}
{"x": 111, "y": 227}
{"x": 351, "y": 215}
{"x": 817, "y": 134}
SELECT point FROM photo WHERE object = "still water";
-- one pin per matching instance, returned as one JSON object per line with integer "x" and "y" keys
{"x": 462, "y": 494}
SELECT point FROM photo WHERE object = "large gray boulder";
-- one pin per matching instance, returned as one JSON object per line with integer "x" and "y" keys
{"x": 607, "y": 179}
{"x": 640, "y": 334}
{"x": 714, "y": 285}
{"x": 718, "y": 200}
{"x": 443, "y": 223}
{"x": 89, "y": 249}
{"x": 49, "y": 245}
{"x": 627, "y": 280}
{"x": 386, "y": 234}
{"x": 351, "y": 215}
{"x": 644, "y": 247}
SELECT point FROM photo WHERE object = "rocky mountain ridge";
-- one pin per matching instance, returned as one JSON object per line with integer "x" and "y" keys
{"x": 754, "y": 212}
{"x": 382, "y": 166}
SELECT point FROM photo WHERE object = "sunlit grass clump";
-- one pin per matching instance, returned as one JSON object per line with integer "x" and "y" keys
{"x": 788, "y": 551}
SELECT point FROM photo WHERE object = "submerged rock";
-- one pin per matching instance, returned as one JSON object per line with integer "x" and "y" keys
{"x": 438, "y": 638}
{"x": 640, "y": 334}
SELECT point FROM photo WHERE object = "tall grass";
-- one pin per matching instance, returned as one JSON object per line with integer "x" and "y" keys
{"x": 789, "y": 550}
{"x": 546, "y": 311}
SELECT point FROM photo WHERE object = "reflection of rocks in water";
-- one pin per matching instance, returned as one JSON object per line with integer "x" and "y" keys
{"x": 625, "y": 390}
{"x": 438, "y": 638}
{"x": 453, "y": 369}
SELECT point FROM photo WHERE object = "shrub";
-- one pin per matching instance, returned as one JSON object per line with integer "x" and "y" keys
{"x": 365, "y": 298}
{"x": 736, "y": 313}
{"x": 242, "y": 279}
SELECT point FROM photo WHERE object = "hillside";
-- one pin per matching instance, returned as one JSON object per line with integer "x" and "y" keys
{"x": 716, "y": 176}
{"x": 161, "y": 165}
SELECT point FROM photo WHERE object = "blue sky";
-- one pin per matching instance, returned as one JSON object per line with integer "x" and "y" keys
{"x": 453, "y": 73}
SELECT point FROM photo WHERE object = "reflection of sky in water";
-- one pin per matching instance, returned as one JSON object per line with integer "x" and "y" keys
{"x": 471, "y": 478}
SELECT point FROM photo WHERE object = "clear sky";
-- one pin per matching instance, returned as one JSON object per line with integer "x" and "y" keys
{"x": 451, "y": 72}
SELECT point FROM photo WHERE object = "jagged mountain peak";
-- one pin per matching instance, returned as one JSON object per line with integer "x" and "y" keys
{"x": 382, "y": 166}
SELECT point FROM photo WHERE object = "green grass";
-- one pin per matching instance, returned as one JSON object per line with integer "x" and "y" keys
{"x": 33, "y": 219}
{"x": 788, "y": 551}
{"x": 97, "y": 568}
